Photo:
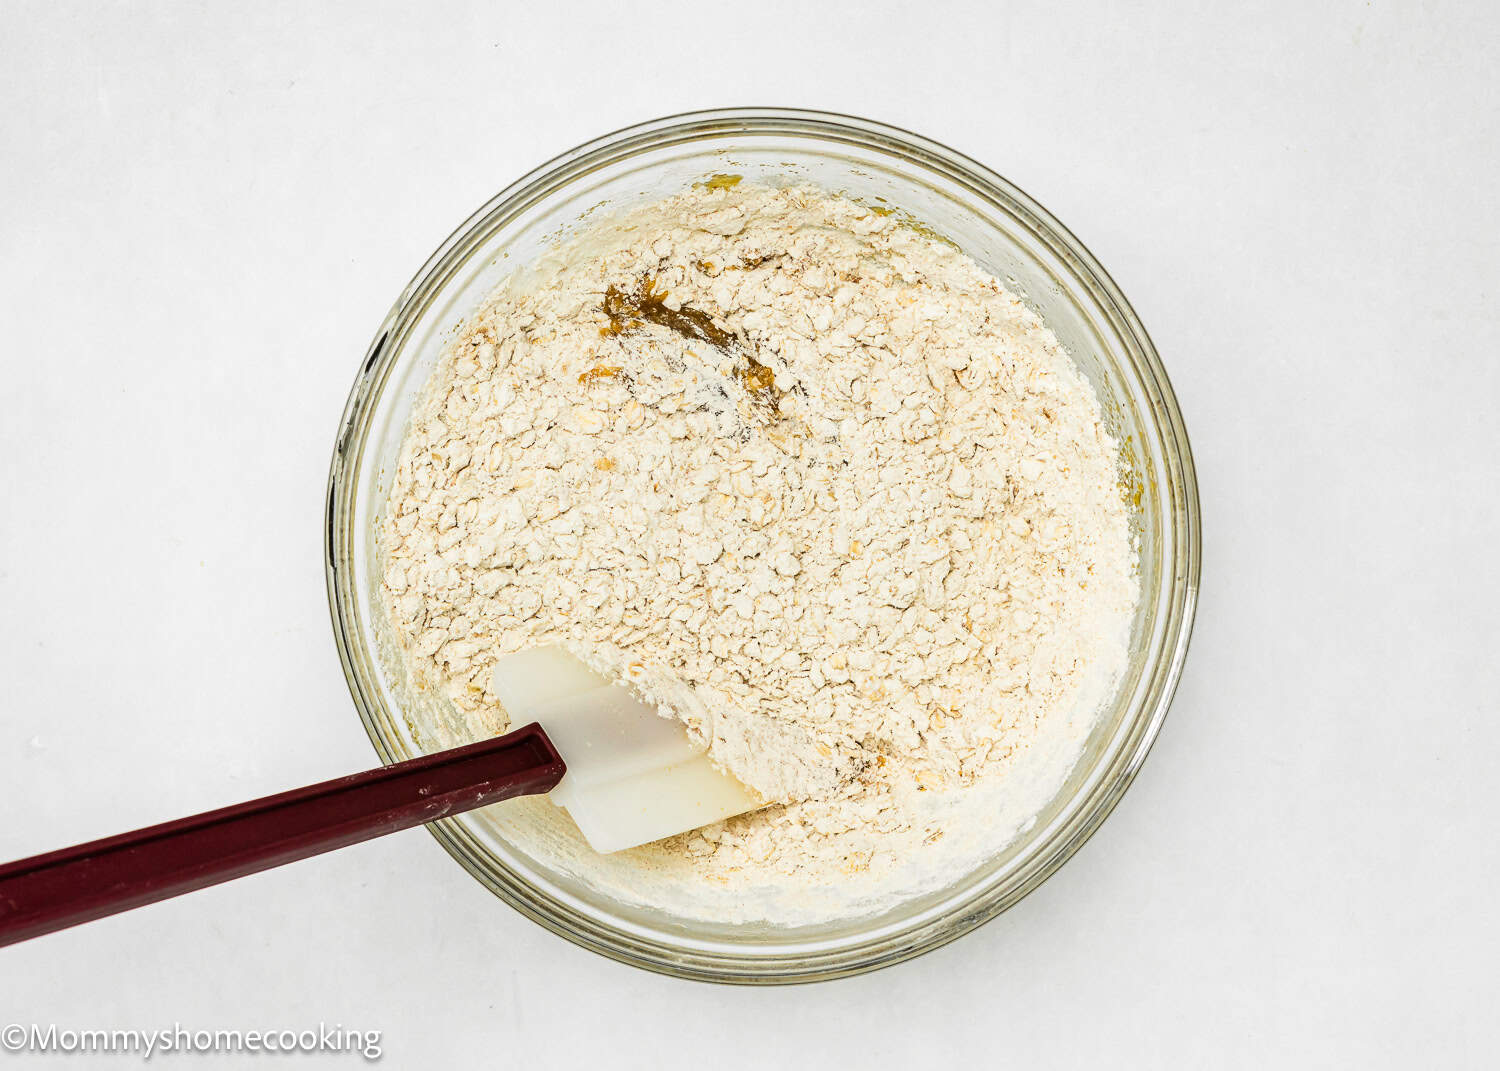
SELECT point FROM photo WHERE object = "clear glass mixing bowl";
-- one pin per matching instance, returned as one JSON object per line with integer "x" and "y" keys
{"x": 1000, "y": 227}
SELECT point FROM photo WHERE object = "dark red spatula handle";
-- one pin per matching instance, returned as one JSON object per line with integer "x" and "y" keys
{"x": 63, "y": 888}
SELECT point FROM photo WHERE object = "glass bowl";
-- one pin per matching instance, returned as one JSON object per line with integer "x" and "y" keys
{"x": 1001, "y": 228}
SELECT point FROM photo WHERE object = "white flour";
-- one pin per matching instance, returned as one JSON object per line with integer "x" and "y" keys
{"x": 817, "y": 485}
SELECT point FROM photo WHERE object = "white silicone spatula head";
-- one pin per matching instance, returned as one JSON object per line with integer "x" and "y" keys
{"x": 633, "y": 776}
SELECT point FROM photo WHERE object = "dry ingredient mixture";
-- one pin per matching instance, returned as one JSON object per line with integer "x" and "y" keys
{"x": 809, "y": 478}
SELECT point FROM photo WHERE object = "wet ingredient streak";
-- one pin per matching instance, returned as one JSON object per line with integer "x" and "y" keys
{"x": 629, "y": 311}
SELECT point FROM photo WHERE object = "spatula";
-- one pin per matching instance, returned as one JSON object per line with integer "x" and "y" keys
{"x": 626, "y": 775}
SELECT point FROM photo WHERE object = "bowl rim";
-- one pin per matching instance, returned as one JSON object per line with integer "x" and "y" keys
{"x": 1165, "y": 674}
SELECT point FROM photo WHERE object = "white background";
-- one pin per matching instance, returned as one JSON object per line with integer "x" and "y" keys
{"x": 204, "y": 213}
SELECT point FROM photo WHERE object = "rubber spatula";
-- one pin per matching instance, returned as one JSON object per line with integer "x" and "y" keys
{"x": 626, "y": 775}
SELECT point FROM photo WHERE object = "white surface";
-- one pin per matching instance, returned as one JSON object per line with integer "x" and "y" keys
{"x": 203, "y": 216}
